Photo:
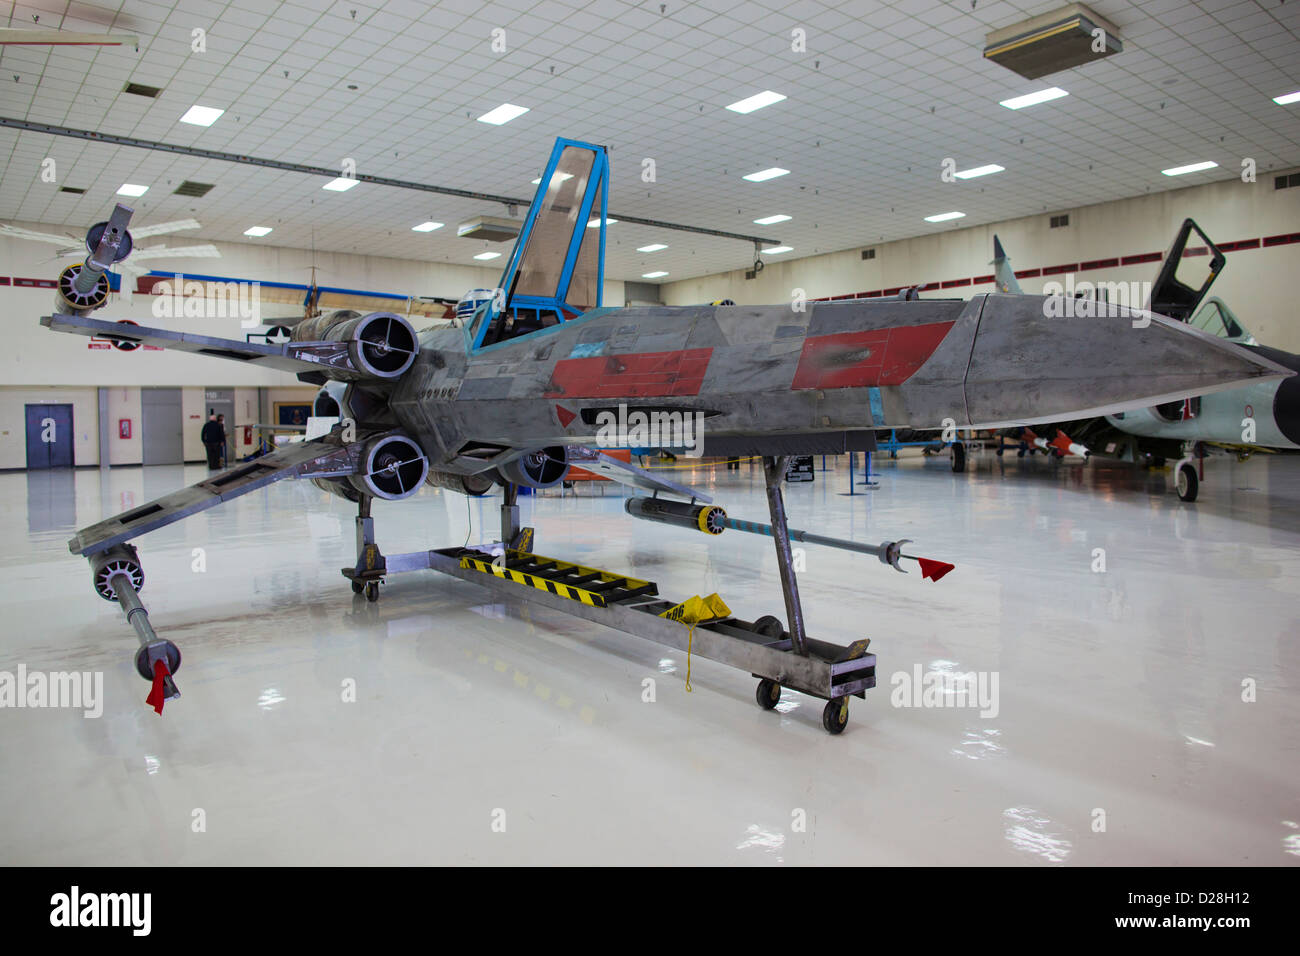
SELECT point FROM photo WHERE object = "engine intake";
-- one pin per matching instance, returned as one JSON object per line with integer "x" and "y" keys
{"x": 392, "y": 467}
{"x": 539, "y": 468}
{"x": 381, "y": 345}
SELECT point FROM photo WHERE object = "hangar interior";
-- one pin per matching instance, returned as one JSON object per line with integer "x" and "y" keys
{"x": 1109, "y": 674}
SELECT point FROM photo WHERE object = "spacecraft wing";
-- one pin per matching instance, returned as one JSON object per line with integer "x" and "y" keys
{"x": 313, "y": 459}
{"x": 286, "y": 356}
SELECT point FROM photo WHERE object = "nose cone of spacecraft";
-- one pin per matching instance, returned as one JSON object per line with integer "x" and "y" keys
{"x": 1046, "y": 358}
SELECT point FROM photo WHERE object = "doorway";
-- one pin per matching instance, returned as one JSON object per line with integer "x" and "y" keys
{"x": 49, "y": 436}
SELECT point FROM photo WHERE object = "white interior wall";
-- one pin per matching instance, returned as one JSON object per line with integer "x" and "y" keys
{"x": 1256, "y": 283}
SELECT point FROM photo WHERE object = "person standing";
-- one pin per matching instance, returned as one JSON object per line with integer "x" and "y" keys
{"x": 213, "y": 439}
{"x": 221, "y": 420}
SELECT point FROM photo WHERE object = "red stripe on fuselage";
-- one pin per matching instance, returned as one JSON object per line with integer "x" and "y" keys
{"x": 635, "y": 375}
{"x": 859, "y": 359}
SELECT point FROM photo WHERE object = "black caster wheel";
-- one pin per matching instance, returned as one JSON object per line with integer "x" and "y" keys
{"x": 372, "y": 591}
{"x": 1187, "y": 483}
{"x": 358, "y": 586}
{"x": 998, "y": 453}
{"x": 768, "y": 694}
{"x": 958, "y": 457}
{"x": 769, "y": 626}
{"x": 835, "y": 716}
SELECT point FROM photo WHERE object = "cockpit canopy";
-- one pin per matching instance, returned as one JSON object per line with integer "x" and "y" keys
{"x": 557, "y": 268}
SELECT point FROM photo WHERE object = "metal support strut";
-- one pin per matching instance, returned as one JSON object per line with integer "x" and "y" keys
{"x": 774, "y": 473}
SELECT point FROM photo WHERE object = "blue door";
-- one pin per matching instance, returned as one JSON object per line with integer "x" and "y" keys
{"x": 49, "y": 436}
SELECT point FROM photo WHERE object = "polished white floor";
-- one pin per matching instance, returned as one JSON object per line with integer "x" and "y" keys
{"x": 1120, "y": 692}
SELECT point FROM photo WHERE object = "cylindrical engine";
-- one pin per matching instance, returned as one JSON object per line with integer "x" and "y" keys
{"x": 381, "y": 345}
{"x": 392, "y": 467}
{"x": 72, "y": 299}
{"x": 706, "y": 518}
{"x": 476, "y": 486}
{"x": 120, "y": 559}
{"x": 539, "y": 468}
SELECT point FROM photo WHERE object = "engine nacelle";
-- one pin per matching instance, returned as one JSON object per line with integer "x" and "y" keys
{"x": 391, "y": 467}
{"x": 119, "y": 559}
{"x": 539, "y": 468}
{"x": 476, "y": 486}
{"x": 381, "y": 345}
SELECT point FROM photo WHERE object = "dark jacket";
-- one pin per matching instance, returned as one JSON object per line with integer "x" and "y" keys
{"x": 213, "y": 434}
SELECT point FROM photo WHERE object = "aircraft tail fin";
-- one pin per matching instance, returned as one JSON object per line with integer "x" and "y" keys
{"x": 1003, "y": 275}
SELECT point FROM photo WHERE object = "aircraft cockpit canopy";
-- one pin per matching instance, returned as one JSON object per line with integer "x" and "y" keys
{"x": 556, "y": 270}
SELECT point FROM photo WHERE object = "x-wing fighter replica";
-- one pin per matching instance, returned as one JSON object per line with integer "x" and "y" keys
{"x": 518, "y": 393}
{"x": 1263, "y": 415}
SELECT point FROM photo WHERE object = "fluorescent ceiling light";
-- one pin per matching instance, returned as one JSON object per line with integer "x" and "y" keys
{"x": 945, "y": 216}
{"x": 201, "y": 115}
{"x": 427, "y": 226}
{"x": 340, "y": 185}
{"x": 257, "y": 231}
{"x": 768, "y": 220}
{"x": 756, "y": 102}
{"x": 1287, "y": 98}
{"x": 765, "y": 174}
{"x": 1033, "y": 99}
{"x": 979, "y": 171}
{"x": 592, "y": 224}
{"x": 653, "y": 247}
{"x": 555, "y": 178}
{"x": 653, "y": 275}
{"x": 488, "y": 255}
{"x": 131, "y": 189}
{"x": 1191, "y": 168}
{"x": 776, "y": 250}
{"x": 503, "y": 114}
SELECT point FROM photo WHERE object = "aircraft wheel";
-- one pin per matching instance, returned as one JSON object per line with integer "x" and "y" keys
{"x": 768, "y": 693}
{"x": 835, "y": 715}
{"x": 1187, "y": 483}
{"x": 372, "y": 591}
{"x": 358, "y": 586}
{"x": 958, "y": 457}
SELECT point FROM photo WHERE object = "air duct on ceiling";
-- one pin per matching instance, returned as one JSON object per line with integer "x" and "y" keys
{"x": 489, "y": 228}
{"x": 1064, "y": 38}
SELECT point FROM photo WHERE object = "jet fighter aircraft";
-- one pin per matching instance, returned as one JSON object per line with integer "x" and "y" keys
{"x": 1261, "y": 415}
{"x": 505, "y": 399}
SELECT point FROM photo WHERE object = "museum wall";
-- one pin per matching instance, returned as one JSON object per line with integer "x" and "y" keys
{"x": 1258, "y": 284}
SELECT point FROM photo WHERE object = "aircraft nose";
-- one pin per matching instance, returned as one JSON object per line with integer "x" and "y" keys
{"x": 1049, "y": 356}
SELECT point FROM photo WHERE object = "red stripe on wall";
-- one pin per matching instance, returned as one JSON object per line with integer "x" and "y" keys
{"x": 858, "y": 359}
{"x": 1144, "y": 257}
{"x": 1028, "y": 273}
{"x": 634, "y": 375}
{"x": 981, "y": 280}
{"x": 1098, "y": 264}
{"x": 954, "y": 283}
{"x": 1057, "y": 270}
{"x": 35, "y": 283}
{"x": 1282, "y": 240}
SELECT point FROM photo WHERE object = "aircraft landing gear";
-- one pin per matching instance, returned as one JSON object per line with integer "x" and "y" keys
{"x": 371, "y": 565}
{"x": 1186, "y": 482}
{"x": 958, "y": 456}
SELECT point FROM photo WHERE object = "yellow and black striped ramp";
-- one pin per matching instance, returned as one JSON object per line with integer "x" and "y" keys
{"x": 551, "y": 569}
